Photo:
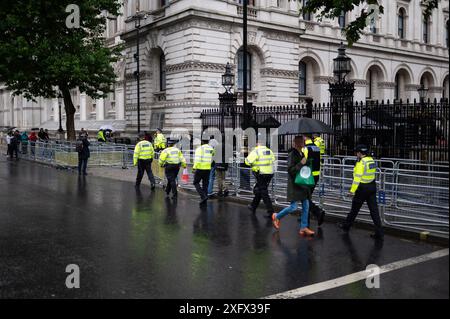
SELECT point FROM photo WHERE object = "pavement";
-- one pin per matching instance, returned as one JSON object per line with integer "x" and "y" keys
{"x": 138, "y": 244}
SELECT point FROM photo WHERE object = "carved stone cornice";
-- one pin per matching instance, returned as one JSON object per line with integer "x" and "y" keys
{"x": 411, "y": 87}
{"x": 360, "y": 82}
{"x": 435, "y": 89}
{"x": 386, "y": 85}
{"x": 322, "y": 79}
{"x": 198, "y": 23}
{"x": 278, "y": 73}
{"x": 282, "y": 36}
{"x": 195, "y": 66}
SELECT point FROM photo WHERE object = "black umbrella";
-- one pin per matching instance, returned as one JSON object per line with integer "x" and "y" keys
{"x": 304, "y": 125}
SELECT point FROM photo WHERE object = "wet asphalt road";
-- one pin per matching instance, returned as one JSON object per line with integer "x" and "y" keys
{"x": 140, "y": 245}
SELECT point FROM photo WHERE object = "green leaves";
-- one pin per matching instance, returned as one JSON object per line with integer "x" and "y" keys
{"x": 354, "y": 29}
{"x": 38, "y": 51}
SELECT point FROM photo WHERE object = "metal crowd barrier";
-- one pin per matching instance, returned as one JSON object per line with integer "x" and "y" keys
{"x": 411, "y": 194}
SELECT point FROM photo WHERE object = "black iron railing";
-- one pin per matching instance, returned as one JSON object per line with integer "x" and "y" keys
{"x": 410, "y": 130}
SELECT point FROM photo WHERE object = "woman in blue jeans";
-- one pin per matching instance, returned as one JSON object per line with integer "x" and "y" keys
{"x": 296, "y": 193}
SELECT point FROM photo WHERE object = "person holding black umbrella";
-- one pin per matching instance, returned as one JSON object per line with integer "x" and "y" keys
{"x": 312, "y": 151}
{"x": 306, "y": 127}
{"x": 296, "y": 193}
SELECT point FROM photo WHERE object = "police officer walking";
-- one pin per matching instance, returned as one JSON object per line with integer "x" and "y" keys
{"x": 172, "y": 159}
{"x": 364, "y": 189}
{"x": 159, "y": 141}
{"x": 143, "y": 158}
{"x": 312, "y": 152}
{"x": 202, "y": 167}
{"x": 261, "y": 160}
{"x": 320, "y": 143}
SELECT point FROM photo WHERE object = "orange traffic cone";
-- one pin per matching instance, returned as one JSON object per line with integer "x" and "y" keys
{"x": 185, "y": 175}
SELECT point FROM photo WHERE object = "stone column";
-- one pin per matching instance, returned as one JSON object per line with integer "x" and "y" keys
{"x": 83, "y": 111}
{"x": 55, "y": 110}
{"x": 120, "y": 103}
{"x": 100, "y": 109}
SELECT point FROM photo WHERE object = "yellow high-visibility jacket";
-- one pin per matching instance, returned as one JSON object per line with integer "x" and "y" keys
{"x": 160, "y": 141}
{"x": 172, "y": 155}
{"x": 203, "y": 157}
{"x": 261, "y": 160}
{"x": 320, "y": 143}
{"x": 363, "y": 172}
{"x": 143, "y": 150}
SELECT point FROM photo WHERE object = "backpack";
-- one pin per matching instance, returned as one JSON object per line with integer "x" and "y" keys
{"x": 79, "y": 146}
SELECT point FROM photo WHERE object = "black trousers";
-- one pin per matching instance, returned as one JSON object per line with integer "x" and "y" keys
{"x": 145, "y": 166}
{"x": 313, "y": 208}
{"x": 365, "y": 193}
{"x": 14, "y": 149}
{"x": 82, "y": 165}
{"x": 171, "y": 172}
{"x": 261, "y": 191}
{"x": 202, "y": 175}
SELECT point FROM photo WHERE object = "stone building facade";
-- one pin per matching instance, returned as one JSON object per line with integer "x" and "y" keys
{"x": 185, "y": 45}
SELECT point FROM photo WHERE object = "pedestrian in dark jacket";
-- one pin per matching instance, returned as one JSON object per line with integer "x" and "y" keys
{"x": 83, "y": 155}
{"x": 296, "y": 193}
{"x": 15, "y": 142}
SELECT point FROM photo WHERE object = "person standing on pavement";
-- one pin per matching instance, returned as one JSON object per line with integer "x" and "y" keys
{"x": 203, "y": 159}
{"x": 212, "y": 175}
{"x": 312, "y": 153}
{"x": 24, "y": 140}
{"x": 15, "y": 142}
{"x": 8, "y": 142}
{"x": 33, "y": 138}
{"x": 172, "y": 159}
{"x": 296, "y": 193}
{"x": 261, "y": 159}
{"x": 159, "y": 141}
{"x": 143, "y": 158}
{"x": 82, "y": 147}
{"x": 364, "y": 189}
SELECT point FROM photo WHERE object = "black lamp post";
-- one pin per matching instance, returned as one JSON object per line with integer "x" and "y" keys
{"x": 422, "y": 93}
{"x": 228, "y": 78}
{"x": 137, "y": 23}
{"x": 341, "y": 95}
{"x": 422, "y": 118}
{"x": 60, "y": 130}
{"x": 341, "y": 65}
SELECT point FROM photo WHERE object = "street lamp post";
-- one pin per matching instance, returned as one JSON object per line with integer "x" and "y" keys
{"x": 341, "y": 92}
{"x": 60, "y": 129}
{"x": 227, "y": 103}
{"x": 137, "y": 23}
{"x": 422, "y": 95}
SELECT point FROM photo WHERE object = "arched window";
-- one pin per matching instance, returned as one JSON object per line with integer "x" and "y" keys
{"x": 241, "y": 70}
{"x": 401, "y": 23}
{"x": 341, "y": 19}
{"x": 302, "y": 78}
{"x": 162, "y": 72}
{"x": 370, "y": 93}
{"x": 426, "y": 29}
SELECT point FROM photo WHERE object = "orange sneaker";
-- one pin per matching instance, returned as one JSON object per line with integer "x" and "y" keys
{"x": 306, "y": 232}
{"x": 275, "y": 221}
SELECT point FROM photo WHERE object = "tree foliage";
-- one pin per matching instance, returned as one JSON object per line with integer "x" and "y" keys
{"x": 39, "y": 53}
{"x": 354, "y": 29}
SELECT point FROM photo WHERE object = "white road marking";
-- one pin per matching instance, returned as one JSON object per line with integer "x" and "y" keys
{"x": 358, "y": 276}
